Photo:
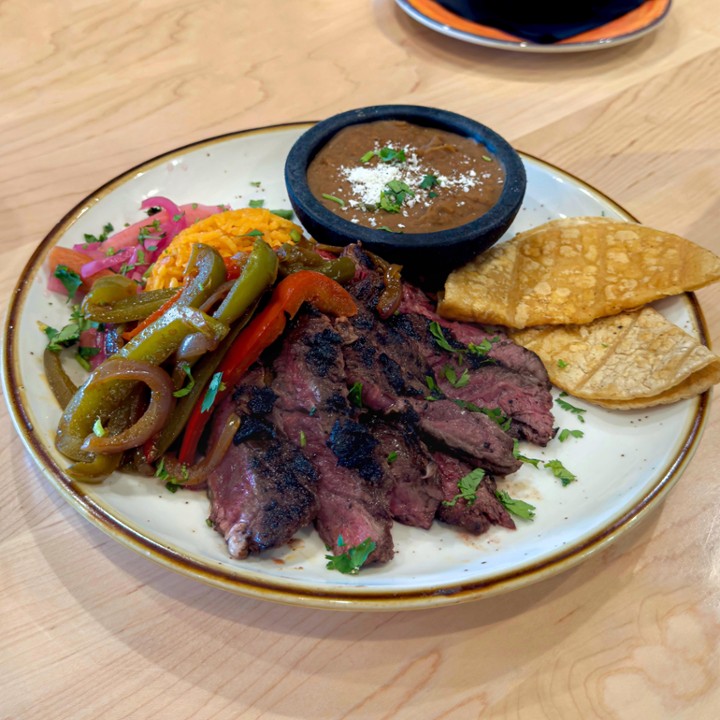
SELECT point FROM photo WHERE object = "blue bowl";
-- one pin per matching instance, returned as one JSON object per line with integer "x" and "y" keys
{"x": 426, "y": 257}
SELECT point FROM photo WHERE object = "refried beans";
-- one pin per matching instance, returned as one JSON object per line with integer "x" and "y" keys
{"x": 400, "y": 177}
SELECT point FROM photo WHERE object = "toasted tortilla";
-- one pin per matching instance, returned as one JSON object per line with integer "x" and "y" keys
{"x": 573, "y": 271}
{"x": 627, "y": 361}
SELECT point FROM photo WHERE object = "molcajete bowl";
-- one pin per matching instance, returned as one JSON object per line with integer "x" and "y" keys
{"x": 426, "y": 257}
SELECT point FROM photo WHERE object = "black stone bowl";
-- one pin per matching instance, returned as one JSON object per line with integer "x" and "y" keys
{"x": 426, "y": 258}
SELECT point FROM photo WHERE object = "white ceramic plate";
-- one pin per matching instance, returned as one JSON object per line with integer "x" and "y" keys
{"x": 632, "y": 26}
{"x": 625, "y": 463}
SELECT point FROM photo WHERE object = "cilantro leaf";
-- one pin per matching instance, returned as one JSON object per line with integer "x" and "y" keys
{"x": 182, "y": 392}
{"x": 560, "y": 472}
{"x": 355, "y": 394}
{"x": 391, "y": 458}
{"x": 353, "y": 558}
{"x": 98, "y": 428}
{"x": 69, "y": 278}
{"x": 467, "y": 487}
{"x": 428, "y": 181}
{"x": 285, "y": 215}
{"x": 565, "y": 433}
{"x": 435, "y": 392}
{"x": 437, "y": 332}
{"x": 452, "y": 377}
{"x": 535, "y": 462}
{"x": 256, "y": 203}
{"x": 334, "y": 199}
{"x": 516, "y": 507}
{"x": 216, "y": 385}
{"x": 570, "y": 408}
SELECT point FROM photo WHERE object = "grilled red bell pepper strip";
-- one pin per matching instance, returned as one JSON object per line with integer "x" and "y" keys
{"x": 304, "y": 286}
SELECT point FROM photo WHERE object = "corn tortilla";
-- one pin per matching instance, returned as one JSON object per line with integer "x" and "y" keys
{"x": 573, "y": 271}
{"x": 628, "y": 361}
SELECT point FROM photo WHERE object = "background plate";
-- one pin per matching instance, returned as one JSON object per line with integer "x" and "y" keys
{"x": 632, "y": 26}
{"x": 625, "y": 463}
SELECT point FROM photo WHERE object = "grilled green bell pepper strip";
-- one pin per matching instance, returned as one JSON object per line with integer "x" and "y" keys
{"x": 202, "y": 372}
{"x": 127, "y": 309}
{"x": 207, "y": 270}
{"x": 258, "y": 274}
{"x": 154, "y": 344}
{"x": 62, "y": 386}
{"x": 304, "y": 256}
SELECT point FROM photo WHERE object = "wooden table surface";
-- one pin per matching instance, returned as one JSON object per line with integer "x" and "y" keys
{"x": 90, "y": 629}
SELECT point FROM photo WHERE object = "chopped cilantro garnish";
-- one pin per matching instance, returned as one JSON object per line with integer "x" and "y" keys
{"x": 386, "y": 154}
{"x": 394, "y": 195}
{"x": 102, "y": 237}
{"x": 452, "y": 377}
{"x": 391, "y": 458}
{"x": 334, "y": 199}
{"x": 437, "y": 332}
{"x": 561, "y": 364}
{"x": 565, "y": 434}
{"x": 560, "y": 471}
{"x": 255, "y": 183}
{"x": 483, "y": 348}
{"x": 516, "y": 507}
{"x": 435, "y": 392}
{"x": 285, "y": 214}
{"x": 84, "y": 354}
{"x": 69, "y": 278}
{"x": 428, "y": 181}
{"x": 253, "y": 233}
{"x": 353, "y": 558}
{"x": 172, "y": 486}
{"x": 355, "y": 394}
{"x": 498, "y": 416}
{"x": 182, "y": 392}
{"x": 467, "y": 487}
{"x": 178, "y": 217}
{"x": 216, "y": 385}
{"x": 535, "y": 462}
{"x": 570, "y": 408}
{"x": 256, "y": 203}
{"x": 98, "y": 428}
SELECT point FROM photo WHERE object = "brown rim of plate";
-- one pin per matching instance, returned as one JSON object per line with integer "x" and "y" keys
{"x": 634, "y": 23}
{"x": 282, "y": 590}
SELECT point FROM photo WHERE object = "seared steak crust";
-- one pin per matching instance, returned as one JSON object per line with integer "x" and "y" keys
{"x": 312, "y": 409}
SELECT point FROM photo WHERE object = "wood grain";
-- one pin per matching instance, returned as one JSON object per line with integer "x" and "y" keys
{"x": 91, "y": 630}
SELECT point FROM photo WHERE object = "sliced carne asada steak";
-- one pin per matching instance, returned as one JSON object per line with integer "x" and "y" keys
{"x": 416, "y": 491}
{"x": 475, "y": 515}
{"x": 502, "y": 349}
{"x": 263, "y": 491}
{"x": 312, "y": 410}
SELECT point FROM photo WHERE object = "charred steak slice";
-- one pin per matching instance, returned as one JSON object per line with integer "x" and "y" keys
{"x": 503, "y": 351}
{"x": 416, "y": 491}
{"x": 385, "y": 358}
{"x": 312, "y": 410}
{"x": 477, "y": 515}
{"x": 478, "y": 379}
{"x": 263, "y": 491}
